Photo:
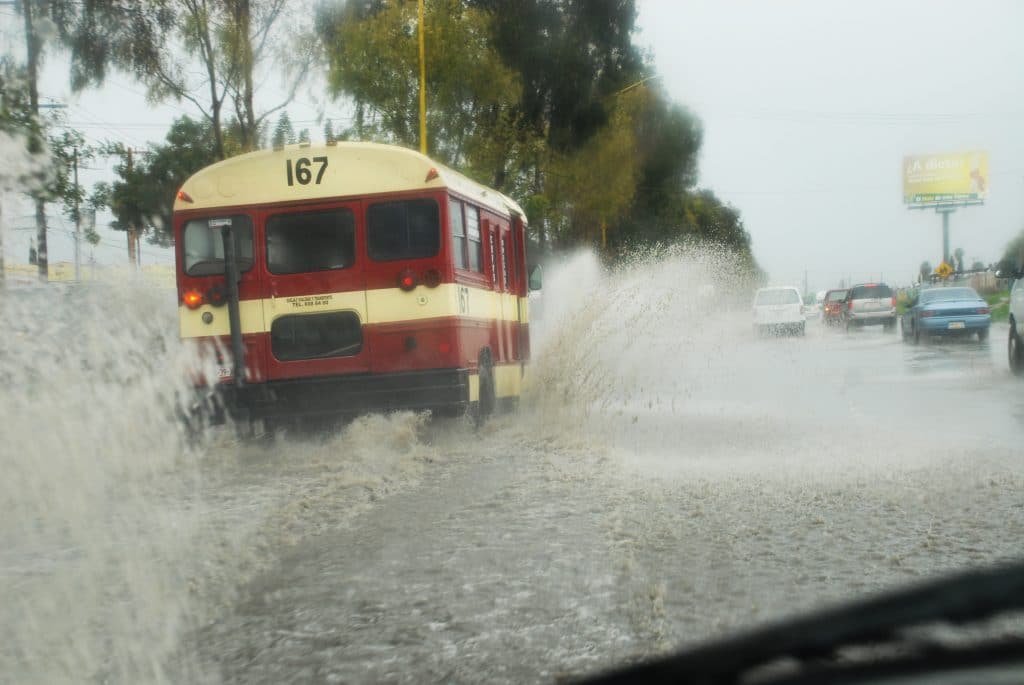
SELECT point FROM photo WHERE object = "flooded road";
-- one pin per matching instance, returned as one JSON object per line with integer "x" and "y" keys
{"x": 669, "y": 478}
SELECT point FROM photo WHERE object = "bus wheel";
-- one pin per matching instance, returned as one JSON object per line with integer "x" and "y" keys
{"x": 488, "y": 399}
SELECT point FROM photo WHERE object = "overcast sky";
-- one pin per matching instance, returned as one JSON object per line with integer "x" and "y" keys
{"x": 808, "y": 108}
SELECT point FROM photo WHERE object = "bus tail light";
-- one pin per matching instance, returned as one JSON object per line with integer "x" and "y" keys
{"x": 185, "y": 197}
{"x": 406, "y": 279}
{"x": 432, "y": 278}
{"x": 217, "y": 296}
{"x": 192, "y": 299}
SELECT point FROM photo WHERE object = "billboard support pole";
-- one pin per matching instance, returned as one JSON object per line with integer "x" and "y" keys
{"x": 945, "y": 212}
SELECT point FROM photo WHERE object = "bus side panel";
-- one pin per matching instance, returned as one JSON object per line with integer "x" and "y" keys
{"x": 415, "y": 345}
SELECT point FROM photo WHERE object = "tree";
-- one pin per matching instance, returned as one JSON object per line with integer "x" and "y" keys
{"x": 182, "y": 49}
{"x": 545, "y": 100}
{"x": 37, "y": 24}
{"x": 68, "y": 152}
{"x": 39, "y": 162}
{"x": 1013, "y": 254}
{"x": 571, "y": 56}
{"x": 958, "y": 255}
{"x": 372, "y": 54}
{"x": 143, "y": 197}
{"x": 284, "y": 134}
{"x": 925, "y": 271}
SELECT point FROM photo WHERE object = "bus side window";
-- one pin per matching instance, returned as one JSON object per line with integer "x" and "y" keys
{"x": 476, "y": 253}
{"x": 491, "y": 232}
{"x": 458, "y": 231}
{"x": 506, "y": 256}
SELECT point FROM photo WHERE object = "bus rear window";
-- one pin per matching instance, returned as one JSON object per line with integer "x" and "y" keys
{"x": 302, "y": 242}
{"x": 407, "y": 229}
{"x": 204, "y": 246}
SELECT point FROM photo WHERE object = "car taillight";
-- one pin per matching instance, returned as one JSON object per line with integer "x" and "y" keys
{"x": 192, "y": 299}
{"x": 849, "y": 305}
{"x": 892, "y": 301}
{"x": 982, "y": 310}
{"x": 928, "y": 312}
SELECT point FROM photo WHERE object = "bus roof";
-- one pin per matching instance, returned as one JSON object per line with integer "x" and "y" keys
{"x": 354, "y": 169}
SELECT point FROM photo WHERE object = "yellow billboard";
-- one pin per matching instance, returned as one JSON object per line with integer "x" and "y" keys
{"x": 957, "y": 178}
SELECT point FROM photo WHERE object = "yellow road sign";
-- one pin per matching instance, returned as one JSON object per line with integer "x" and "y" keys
{"x": 944, "y": 270}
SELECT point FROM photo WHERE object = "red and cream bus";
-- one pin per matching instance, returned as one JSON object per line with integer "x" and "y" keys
{"x": 352, "y": 277}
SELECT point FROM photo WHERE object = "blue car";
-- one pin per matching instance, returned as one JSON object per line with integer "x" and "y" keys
{"x": 946, "y": 311}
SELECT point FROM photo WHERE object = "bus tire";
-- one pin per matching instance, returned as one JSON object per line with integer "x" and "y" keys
{"x": 1015, "y": 350}
{"x": 488, "y": 397}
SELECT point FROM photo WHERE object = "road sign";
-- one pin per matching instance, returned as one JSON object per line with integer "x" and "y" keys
{"x": 944, "y": 270}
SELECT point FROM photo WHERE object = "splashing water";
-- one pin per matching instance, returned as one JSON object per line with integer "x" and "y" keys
{"x": 117, "y": 538}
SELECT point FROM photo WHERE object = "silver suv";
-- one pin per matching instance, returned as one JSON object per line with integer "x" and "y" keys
{"x": 870, "y": 303}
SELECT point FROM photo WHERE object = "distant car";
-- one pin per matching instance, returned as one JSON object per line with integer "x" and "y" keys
{"x": 779, "y": 310}
{"x": 870, "y": 304}
{"x": 832, "y": 308}
{"x": 813, "y": 311}
{"x": 946, "y": 311}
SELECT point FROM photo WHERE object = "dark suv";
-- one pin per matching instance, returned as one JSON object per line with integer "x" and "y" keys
{"x": 870, "y": 303}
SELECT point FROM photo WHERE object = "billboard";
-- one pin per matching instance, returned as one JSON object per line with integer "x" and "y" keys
{"x": 959, "y": 178}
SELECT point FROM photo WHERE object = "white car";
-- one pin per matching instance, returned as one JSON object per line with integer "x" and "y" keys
{"x": 779, "y": 310}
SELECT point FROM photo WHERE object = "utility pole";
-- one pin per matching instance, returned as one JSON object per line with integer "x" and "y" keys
{"x": 78, "y": 224}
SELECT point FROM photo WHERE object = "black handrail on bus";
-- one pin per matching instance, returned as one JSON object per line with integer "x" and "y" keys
{"x": 232, "y": 275}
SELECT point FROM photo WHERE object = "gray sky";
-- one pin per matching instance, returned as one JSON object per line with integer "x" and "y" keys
{"x": 809, "y": 107}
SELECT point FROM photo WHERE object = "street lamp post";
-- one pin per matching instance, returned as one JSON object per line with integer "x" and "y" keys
{"x": 423, "y": 84}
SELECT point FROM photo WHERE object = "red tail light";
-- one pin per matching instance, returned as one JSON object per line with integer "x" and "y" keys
{"x": 406, "y": 279}
{"x": 892, "y": 302}
{"x": 982, "y": 310}
{"x": 849, "y": 305}
{"x": 928, "y": 312}
{"x": 192, "y": 299}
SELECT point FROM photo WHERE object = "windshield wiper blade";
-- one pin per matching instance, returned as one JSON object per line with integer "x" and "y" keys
{"x": 962, "y": 598}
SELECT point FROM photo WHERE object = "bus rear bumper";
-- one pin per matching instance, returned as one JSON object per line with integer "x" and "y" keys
{"x": 444, "y": 391}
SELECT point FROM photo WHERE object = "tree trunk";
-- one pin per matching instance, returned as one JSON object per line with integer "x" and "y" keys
{"x": 247, "y": 67}
{"x": 133, "y": 257}
{"x": 35, "y": 144}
